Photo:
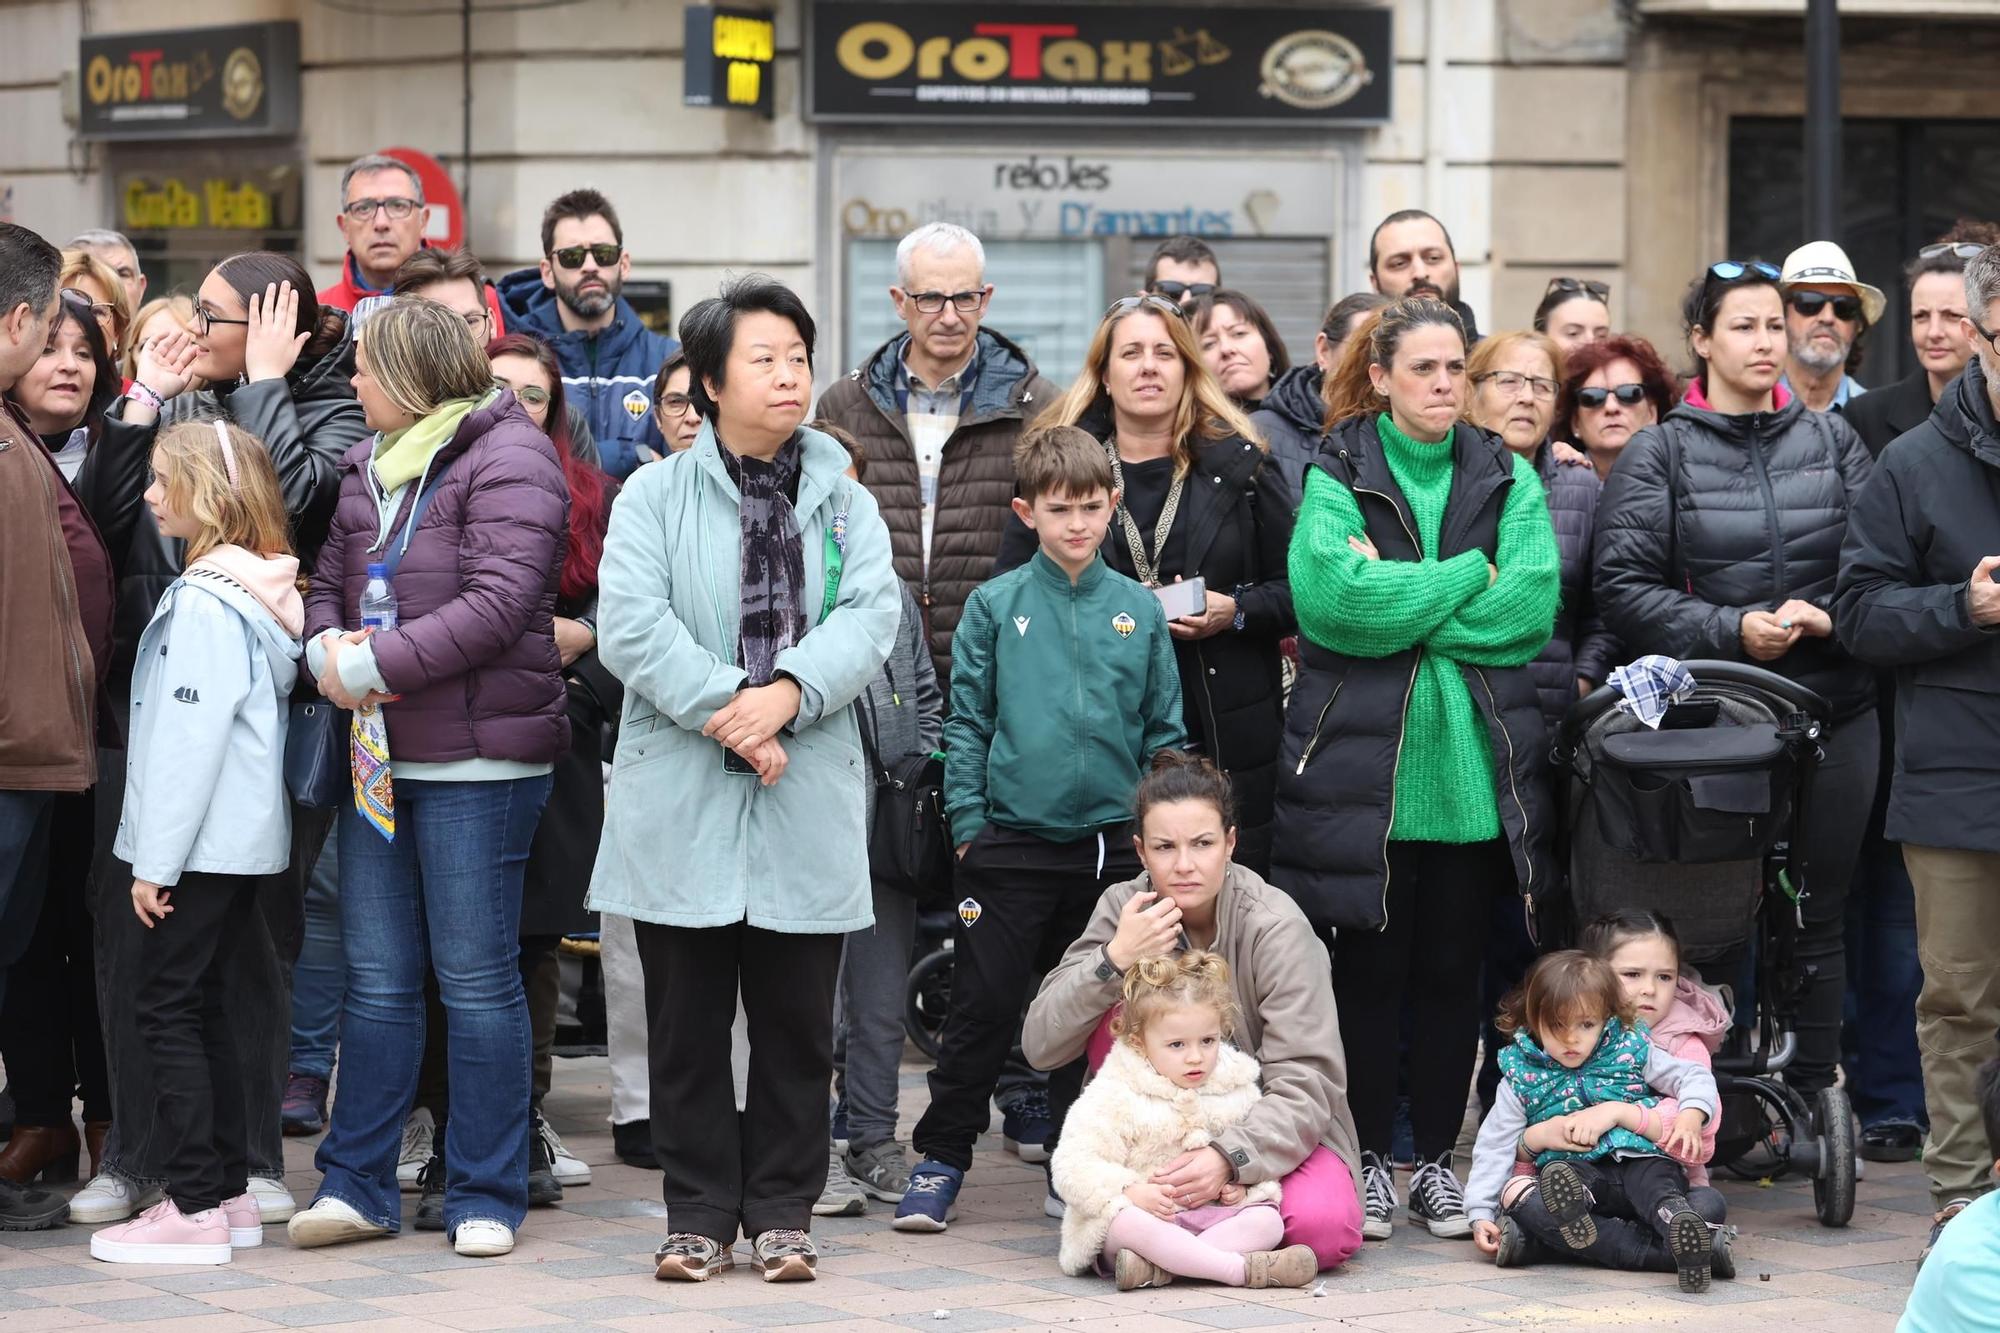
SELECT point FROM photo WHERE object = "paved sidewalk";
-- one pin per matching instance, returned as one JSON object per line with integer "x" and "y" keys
{"x": 587, "y": 1264}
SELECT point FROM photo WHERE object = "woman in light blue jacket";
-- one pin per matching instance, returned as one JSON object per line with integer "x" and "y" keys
{"x": 745, "y": 599}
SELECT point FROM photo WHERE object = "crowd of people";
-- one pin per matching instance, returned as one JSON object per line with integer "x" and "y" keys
{"x": 324, "y": 616}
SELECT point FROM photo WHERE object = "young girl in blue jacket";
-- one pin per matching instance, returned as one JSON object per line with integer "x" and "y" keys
{"x": 205, "y": 814}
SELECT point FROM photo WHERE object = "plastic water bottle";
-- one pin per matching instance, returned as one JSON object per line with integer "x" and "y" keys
{"x": 378, "y": 601}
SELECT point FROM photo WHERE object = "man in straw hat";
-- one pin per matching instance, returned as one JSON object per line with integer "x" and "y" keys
{"x": 1827, "y": 309}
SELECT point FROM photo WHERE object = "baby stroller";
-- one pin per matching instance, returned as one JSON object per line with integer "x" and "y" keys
{"x": 1699, "y": 820}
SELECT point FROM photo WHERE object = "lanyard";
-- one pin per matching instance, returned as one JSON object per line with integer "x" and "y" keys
{"x": 1148, "y": 571}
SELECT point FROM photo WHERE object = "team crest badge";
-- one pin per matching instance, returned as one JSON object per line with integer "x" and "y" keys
{"x": 970, "y": 911}
{"x": 635, "y": 404}
{"x": 1124, "y": 624}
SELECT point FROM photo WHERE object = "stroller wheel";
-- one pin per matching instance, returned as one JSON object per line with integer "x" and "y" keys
{"x": 928, "y": 999}
{"x": 1833, "y": 1183}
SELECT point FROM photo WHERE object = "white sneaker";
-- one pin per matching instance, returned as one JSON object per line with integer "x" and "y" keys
{"x": 481, "y": 1239}
{"x": 418, "y": 1131}
{"x": 330, "y": 1222}
{"x": 569, "y": 1169}
{"x": 274, "y": 1202}
{"x": 109, "y": 1198}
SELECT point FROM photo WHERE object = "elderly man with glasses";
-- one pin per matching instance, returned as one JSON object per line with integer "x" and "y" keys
{"x": 1827, "y": 310}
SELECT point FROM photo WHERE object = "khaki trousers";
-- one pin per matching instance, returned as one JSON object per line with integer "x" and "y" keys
{"x": 1958, "y": 1012}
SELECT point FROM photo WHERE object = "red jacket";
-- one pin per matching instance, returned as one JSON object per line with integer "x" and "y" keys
{"x": 350, "y": 291}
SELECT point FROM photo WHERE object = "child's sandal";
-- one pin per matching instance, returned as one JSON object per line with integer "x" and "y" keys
{"x": 1568, "y": 1201}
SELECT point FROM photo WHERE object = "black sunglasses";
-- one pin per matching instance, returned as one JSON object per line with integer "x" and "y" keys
{"x": 1596, "y": 291}
{"x": 1729, "y": 270}
{"x": 1174, "y": 291}
{"x": 1125, "y": 305}
{"x": 1629, "y": 394}
{"x": 571, "y": 256}
{"x": 1962, "y": 249}
{"x": 1810, "y": 304}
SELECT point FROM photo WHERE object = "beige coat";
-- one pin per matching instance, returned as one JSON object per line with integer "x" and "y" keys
{"x": 1288, "y": 1024}
{"x": 1129, "y": 1123}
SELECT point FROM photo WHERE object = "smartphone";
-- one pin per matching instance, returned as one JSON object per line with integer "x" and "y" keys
{"x": 733, "y": 762}
{"x": 1189, "y": 597}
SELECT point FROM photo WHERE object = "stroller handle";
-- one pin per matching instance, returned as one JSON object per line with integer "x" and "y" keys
{"x": 1587, "y": 709}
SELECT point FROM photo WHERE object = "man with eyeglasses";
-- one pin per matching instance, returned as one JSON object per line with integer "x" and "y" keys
{"x": 1827, "y": 309}
{"x": 382, "y": 218}
{"x": 1917, "y": 593}
{"x": 573, "y": 300}
{"x": 1182, "y": 269}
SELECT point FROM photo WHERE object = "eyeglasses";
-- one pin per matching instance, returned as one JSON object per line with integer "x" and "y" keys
{"x": 1729, "y": 270}
{"x": 1595, "y": 397}
{"x": 1176, "y": 291}
{"x": 1125, "y": 305}
{"x": 675, "y": 405}
{"x": 475, "y": 318}
{"x": 398, "y": 209}
{"x": 1510, "y": 382}
{"x": 531, "y": 395}
{"x": 1595, "y": 290}
{"x": 206, "y": 319}
{"x": 571, "y": 256}
{"x": 1810, "y": 304}
{"x": 1961, "y": 249}
{"x": 102, "y": 311}
{"x": 1980, "y": 329}
{"x": 965, "y": 303}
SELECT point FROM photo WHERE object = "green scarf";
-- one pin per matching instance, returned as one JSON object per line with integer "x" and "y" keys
{"x": 401, "y": 456}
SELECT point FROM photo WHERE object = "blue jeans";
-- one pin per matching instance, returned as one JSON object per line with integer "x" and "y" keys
{"x": 1885, "y": 1076}
{"x": 319, "y": 980}
{"x": 451, "y": 878}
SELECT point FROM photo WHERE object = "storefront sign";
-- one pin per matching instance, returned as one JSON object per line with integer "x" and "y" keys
{"x": 197, "y": 83}
{"x": 1042, "y": 196}
{"x": 262, "y": 201}
{"x": 728, "y": 58}
{"x": 1219, "y": 64}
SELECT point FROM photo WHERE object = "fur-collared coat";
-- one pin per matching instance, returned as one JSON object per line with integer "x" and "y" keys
{"x": 1129, "y": 1123}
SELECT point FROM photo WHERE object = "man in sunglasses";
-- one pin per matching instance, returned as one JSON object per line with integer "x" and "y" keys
{"x": 1827, "y": 309}
{"x": 573, "y": 300}
{"x": 1181, "y": 269}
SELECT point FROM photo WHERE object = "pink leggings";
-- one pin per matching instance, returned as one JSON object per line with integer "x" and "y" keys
{"x": 1186, "y": 1248}
{"x": 1320, "y": 1205}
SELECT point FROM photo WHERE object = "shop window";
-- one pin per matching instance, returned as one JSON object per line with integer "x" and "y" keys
{"x": 1903, "y": 184}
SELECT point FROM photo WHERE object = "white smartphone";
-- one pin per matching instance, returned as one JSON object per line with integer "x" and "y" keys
{"x": 1189, "y": 597}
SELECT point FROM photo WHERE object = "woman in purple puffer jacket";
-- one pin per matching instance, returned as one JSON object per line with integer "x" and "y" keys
{"x": 461, "y": 707}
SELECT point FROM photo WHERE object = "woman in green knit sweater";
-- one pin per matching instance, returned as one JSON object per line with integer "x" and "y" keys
{"x": 1426, "y": 576}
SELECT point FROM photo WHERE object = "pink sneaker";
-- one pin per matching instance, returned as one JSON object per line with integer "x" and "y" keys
{"x": 163, "y": 1235}
{"x": 246, "y": 1222}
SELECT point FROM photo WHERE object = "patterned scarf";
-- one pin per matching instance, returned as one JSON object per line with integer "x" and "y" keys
{"x": 368, "y": 758}
{"x": 1615, "y": 1072}
{"x": 774, "y": 558}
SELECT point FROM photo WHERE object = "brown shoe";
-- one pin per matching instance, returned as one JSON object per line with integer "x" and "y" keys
{"x": 47, "y": 1152}
{"x": 1293, "y": 1266}
{"x": 1134, "y": 1272}
{"x": 93, "y": 1140}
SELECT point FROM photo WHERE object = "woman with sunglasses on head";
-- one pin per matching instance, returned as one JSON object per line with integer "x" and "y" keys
{"x": 85, "y": 273}
{"x": 277, "y": 364}
{"x": 1611, "y": 390}
{"x": 1937, "y": 305}
{"x": 1718, "y": 536}
{"x": 1574, "y": 311}
{"x": 1240, "y": 344}
{"x": 1411, "y": 794}
{"x": 1198, "y": 498}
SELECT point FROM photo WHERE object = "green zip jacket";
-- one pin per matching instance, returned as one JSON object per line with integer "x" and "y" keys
{"x": 1061, "y": 693}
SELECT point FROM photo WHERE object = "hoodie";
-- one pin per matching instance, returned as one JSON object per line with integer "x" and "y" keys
{"x": 608, "y": 372}
{"x": 1692, "y": 1030}
{"x": 1290, "y": 421}
{"x": 205, "y": 788}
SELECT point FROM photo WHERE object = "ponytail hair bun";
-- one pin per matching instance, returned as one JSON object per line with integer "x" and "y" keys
{"x": 1176, "y": 775}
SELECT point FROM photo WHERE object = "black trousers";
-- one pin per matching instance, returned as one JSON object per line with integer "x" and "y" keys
{"x": 181, "y": 1013}
{"x": 1843, "y": 794}
{"x": 763, "y": 1168}
{"x": 541, "y": 980}
{"x": 1633, "y": 1197}
{"x": 1029, "y": 899}
{"x": 1427, "y": 956}
{"x": 50, "y": 1036}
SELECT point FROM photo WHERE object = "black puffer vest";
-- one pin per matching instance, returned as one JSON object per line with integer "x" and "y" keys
{"x": 1344, "y": 727}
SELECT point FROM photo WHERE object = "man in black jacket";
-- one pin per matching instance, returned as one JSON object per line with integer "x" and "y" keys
{"x": 1917, "y": 593}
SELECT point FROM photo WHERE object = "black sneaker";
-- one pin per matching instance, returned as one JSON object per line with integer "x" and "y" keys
{"x": 430, "y": 1191}
{"x": 1437, "y": 1199}
{"x": 1026, "y": 1125}
{"x": 633, "y": 1142}
{"x": 1721, "y": 1261}
{"x": 1378, "y": 1192}
{"x": 543, "y": 1187}
{"x": 1939, "y": 1220}
{"x": 26, "y": 1209}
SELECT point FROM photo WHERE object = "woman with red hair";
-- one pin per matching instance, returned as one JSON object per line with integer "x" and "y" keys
{"x": 1611, "y": 390}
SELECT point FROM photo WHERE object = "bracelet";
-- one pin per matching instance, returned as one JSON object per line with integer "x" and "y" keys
{"x": 145, "y": 394}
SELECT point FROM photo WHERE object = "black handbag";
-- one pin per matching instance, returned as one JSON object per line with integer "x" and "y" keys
{"x": 317, "y": 767}
{"x": 909, "y": 842}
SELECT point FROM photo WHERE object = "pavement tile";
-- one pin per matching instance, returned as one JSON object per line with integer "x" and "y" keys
{"x": 373, "y": 1288}
{"x": 147, "y": 1309}
{"x": 955, "y": 1321}
{"x": 214, "y": 1279}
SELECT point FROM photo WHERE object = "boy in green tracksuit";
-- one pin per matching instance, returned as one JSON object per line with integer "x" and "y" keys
{"x": 1063, "y": 685}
